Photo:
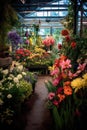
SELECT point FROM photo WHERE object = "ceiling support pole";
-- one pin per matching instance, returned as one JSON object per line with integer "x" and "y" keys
{"x": 75, "y": 25}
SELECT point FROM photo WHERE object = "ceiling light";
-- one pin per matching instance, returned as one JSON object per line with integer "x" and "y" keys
{"x": 23, "y": 1}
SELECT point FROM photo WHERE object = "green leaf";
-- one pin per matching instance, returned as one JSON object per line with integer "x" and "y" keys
{"x": 57, "y": 119}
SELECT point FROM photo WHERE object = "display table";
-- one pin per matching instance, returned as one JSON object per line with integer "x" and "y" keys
{"x": 43, "y": 69}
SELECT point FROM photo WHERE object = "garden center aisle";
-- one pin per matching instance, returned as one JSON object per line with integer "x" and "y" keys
{"x": 38, "y": 117}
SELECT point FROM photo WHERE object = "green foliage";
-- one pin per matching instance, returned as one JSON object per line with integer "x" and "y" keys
{"x": 9, "y": 19}
{"x": 77, "y": 52}
{"x": 14, "y": 89}
{"x": 25, "y": 89}
{"x": 50, "y": 87}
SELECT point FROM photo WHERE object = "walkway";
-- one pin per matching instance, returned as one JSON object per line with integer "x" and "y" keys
{"x": 35, "y": 114}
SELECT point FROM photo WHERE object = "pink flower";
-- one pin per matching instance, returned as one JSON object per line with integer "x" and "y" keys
{"x": 51, "y": 95}
{"x": 82, "y": 66}
{"x": 48, "y": 41}
{"x": 55, "y": 71}
{"x": 70, "y": 74}
{"x": 56, "y": 81}
{"x": 66, "y": 64}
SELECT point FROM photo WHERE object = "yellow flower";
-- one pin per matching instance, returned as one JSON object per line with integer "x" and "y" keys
{"x": 77, "y": 84}
{"x": 51, "y": 68}
{"x": 85, "y": 76}
{"x": 31, "y": 41}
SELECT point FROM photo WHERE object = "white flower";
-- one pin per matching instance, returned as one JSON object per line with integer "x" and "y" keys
{"x": 9, "y": 78}
{"x": 1, "y": 102}
{"x": 23, "y": 73}
{"x": 16, "y": 63}
{"x": 16, "y": 80}
{"x": 5, "y": 71}
{"x": 9, "y": 96}
{"x": 20, "y": 68}
{"x": 19, "y": 76}
{"x": 11, "y": 75}
{"x": 10, "y": 85}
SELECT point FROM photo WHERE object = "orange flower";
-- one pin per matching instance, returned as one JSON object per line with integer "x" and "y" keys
{"x": 67, "y": 83}
{"x": 61, "y": 97}
{"x": 67, "y": 90}
{"x": 62, "y": 57}
{"x": 64, "y": 75}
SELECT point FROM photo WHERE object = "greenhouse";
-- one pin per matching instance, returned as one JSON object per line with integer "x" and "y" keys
{"x": 43, "y": 64}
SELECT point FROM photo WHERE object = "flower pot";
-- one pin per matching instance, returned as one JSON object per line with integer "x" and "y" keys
{"x": 5, "y": 62}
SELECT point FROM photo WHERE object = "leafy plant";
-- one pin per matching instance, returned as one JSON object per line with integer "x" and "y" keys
{"x": 9, "y": 19}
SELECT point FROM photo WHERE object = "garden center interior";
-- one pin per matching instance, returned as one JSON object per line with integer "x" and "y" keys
{"x": 43, "y": 64}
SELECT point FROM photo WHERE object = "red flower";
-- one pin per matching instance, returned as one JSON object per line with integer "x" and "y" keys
{"x": 49, "y": 40}
{"x": 55, "y": 102}
{"x": 73, "y": 44}
{"x": 56, "y": 62}
{"x": 65, "y": 32}
{"x": 59, "y": 46}
{"x": 67, "y": 38}
{"x": 59, "y": 90}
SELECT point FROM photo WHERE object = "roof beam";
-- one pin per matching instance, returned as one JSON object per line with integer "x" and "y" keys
{"x": 44, "y": 17}
{"x": 41, "y": 5}
{"x": 38, "y": 10}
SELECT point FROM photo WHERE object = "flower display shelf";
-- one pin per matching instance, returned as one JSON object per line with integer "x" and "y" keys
{"x": 43, "y": 69}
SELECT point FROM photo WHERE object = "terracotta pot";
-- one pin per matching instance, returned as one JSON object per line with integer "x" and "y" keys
{"x": 5, "y": 62}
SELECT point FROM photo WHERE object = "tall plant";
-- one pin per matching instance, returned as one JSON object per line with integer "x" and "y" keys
{"x": 8, "y": 20}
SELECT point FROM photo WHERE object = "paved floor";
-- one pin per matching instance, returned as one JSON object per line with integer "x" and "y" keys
{"x": 35, "y": 115}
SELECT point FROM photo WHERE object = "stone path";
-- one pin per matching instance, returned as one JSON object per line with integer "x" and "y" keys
{"x": 37, "y": 116}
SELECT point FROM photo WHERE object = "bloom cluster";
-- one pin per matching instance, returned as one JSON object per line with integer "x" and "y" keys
{"x": 14, "y": 37}
{"x": 62, "y": 75}
{"x": 72, "y": 46}
{"x": 13, "y": 91}
{"x": 48, "y": 41}
{"x": 22, "y": 54}
{"x": 66, "y": 91}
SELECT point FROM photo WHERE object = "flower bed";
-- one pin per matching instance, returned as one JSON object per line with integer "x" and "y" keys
{"x": 67, "y": 97}
{"x": 14, "y": 90}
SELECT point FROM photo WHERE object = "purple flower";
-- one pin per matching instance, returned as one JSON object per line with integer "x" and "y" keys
{"x": 14, "y": 37}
